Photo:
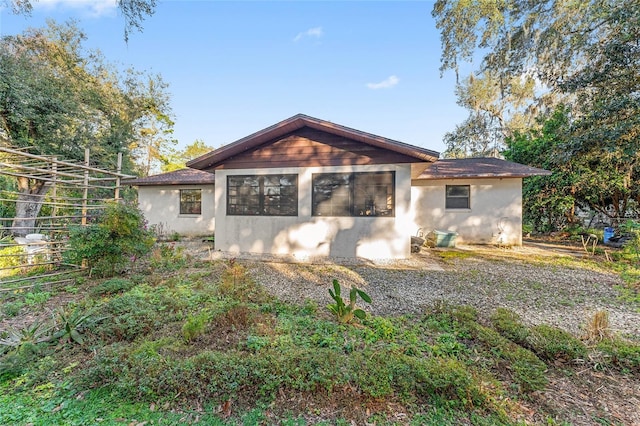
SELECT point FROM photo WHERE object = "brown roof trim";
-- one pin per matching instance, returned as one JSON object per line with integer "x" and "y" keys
{"x": 461, "y": 168}
{"x": 213, "y": 158}
{"x": 177, "y": 177}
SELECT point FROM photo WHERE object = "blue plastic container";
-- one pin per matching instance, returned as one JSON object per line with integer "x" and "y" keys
{"x": 608, "y": 234}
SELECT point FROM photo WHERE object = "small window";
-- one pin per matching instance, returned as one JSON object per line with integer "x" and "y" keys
{"x": 190, "y": 201}
{"x": 457, "y": 197}
{"x": 266, "y": 195}
{"x": 353, "y": 194}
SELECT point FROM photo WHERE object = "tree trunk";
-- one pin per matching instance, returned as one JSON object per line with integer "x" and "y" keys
{"x": 30, "y": 197}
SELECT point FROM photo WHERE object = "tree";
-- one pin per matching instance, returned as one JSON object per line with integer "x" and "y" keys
{"x": 59, "y": 99}
{"x": 133, "y": 11}
{"x": 605, "y": 181}
{"x": 584, "y": 57}
{"x": 493, "y": 115}
{"x": 520, "y": 42}
{"x": 549, "y": 202}
{"x": 177, "y": 160}
{"x": 155, "y": 129}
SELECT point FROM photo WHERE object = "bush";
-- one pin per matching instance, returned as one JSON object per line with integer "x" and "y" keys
{"x": 508, "y": 324}
{"x": 194, "y": 326}
{"x": 11, "y": 256}
{"x": 35, "y": 297}
{"x": 118, "y": 237}
{"x": 528, "y": 369}
{"x": 168, "y": 257}
{"x": 236, "y": 284}
{"x": 549, "y": 343}
{"x": 12, "y": 309}
{"x": 112, "y": 286}
{"x": 621, "y": 353}
{"x": 130, "y": 316}
{"x": 552, "y": 343}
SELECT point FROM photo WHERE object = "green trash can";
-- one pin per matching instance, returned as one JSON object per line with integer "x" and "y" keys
{"x": 444, "y": 238}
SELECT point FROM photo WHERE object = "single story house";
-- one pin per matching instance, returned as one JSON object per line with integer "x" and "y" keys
{"x": 308, "y": 188}
{"x": 180, "y": 201}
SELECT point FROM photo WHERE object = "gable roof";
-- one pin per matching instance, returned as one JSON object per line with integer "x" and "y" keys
{"x": 489, "y": 167}
{"x": 220, "y": 155}
{"x": 177, "y": 177}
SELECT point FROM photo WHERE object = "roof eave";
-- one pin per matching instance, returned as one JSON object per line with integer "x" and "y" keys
{"x": 212, "y": 159}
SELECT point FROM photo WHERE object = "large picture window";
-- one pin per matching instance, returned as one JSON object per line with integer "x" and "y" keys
{"x": 353, "y": 194}
{"x": 262, "y": 195}
{"x": 457, "y": 197}
{"x": 190, "y": 201}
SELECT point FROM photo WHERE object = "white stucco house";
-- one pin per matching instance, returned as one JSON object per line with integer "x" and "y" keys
{"x": 308, "y": 188}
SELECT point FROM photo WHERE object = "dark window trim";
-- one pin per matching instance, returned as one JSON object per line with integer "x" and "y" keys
{"x": 183, "y": 203}
{"x": 447, "y": 198}
{"x": 261, "y": 195}
{"x": 352, "y": 197}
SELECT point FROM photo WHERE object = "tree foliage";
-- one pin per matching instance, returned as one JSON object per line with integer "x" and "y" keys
{"x": 133, "y": 11}
{"x": 59, "y": 99}
{"x": 154, "y": 140}
{"x": 534, "y": 54}
{"x": 575, "y": 68}
{"x": 118, "y": 236}
{"x": 591, "y": 180}
{"x": 177, "y": 159}
{"x": 493, "y": 115}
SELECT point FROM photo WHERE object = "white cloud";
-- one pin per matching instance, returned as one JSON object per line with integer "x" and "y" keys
{"x": 93, "y": 7}
{"x": 311, "y": 32}
{"x": 387, "y": 83}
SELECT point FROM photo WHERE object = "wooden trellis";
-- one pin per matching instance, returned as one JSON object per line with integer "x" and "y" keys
{"x": 74, "y": 192}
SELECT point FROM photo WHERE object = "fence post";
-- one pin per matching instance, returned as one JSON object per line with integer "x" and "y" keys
{"x": 119, "y": 169}
{"x": 85, "y": 192}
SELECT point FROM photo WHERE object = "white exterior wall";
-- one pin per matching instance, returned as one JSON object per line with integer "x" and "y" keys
{"x": 495, "y": 216}
{"x": 161, "y": 206}
{"x": 307, "y": 236}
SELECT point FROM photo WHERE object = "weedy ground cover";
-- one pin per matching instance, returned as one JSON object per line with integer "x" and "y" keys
{"x": 204, "y": 343}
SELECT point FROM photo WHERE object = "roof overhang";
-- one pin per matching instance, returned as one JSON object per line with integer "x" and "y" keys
{"x": 478, "y": 168}
{"x": 212, "y": 159}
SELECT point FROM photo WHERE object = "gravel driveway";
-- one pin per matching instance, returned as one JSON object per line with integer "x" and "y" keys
{"x": 486, "y": 278}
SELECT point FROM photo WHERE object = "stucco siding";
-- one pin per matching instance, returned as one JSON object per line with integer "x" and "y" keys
{"x": 161, "y": 207}
{"x": 306, "y": 236}
{"x": 494, "y": 216}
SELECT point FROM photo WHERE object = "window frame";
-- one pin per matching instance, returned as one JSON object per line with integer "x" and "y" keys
{"x": 450, "y": 198}
{"x": 354, "y": 208}
{"x": 183, "y": 203}
{"x": 263, "y": 200}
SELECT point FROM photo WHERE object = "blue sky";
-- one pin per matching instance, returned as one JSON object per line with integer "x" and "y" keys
{"x": 234, "y": 68}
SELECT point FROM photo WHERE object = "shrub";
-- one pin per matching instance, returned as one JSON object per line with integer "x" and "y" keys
{"x": 238, "y": 285}
{"x": 194, "y": 326}
{"x": 11, "y": 256}
{"x": 552, "y": 343}
{"x": 130, "y": 316}
{"x": 508, "y": 324}
{"x": 36, "y": 298}
{"x": 549, "y": 343}
{"x": 112, "y": 286}
{"x": 118, "y": 237}
{"x": 168, "y": 257}
{"x": 528, "y": 369}
{"x": 621, "y": 353}
{"x": 448, "y": 345}
{"x": 11, "y": 309}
